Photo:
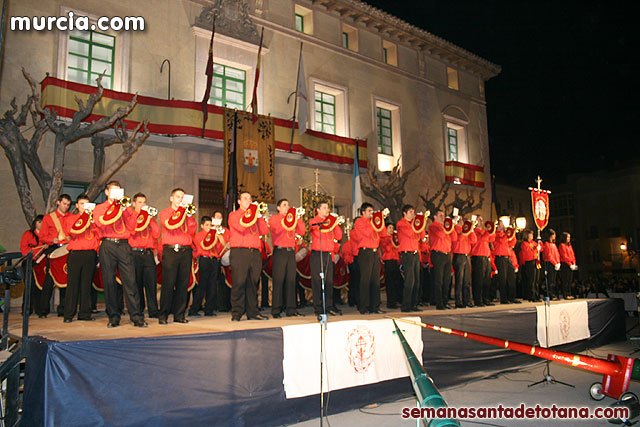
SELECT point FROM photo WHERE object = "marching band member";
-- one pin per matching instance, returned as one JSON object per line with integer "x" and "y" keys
{"x": 284, "y": 228}
{"x": 480, "y": 263}
{"x": 349, "y": 253}
{"x": 567, "y": 264}
{"x": 144, "y": 244}
{"x": 30, "y": 242}
{"x": 441, "y": 240}
{"x": 461, "y": 249}
{"x": 325, "y": 232}
{"x": 551, "y": 258}
{"x": 246, "y": 225}
{"x": 81, "y": 264}
{"x": 116, "y": 223}
{"x": 178, "y": 229}
{"x": 512, "y": 271}
{"x": 505, "y": 239}
{"x": 528, "y": 258}
{"x": 409, "y": 238}
{"x": 221, "y": 297}
{"x": 367, "y": 239}
{"x": 391, "y": 260}
{"x": 52, "y": 234}
{"x": 425, "y": 290}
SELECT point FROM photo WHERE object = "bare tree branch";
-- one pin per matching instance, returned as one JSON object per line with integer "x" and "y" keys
{"x": 389, "y": 191}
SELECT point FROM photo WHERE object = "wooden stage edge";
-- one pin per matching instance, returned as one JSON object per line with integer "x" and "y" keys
{"x": 53, "y": 328}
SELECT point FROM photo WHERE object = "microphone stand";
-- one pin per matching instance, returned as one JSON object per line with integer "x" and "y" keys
{"x": 322, "y": 318}
{"x": 547, "y": 377}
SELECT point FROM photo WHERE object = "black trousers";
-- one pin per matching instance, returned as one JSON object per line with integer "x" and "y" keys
{"x": 462, "y": 269}
{"x": 246, "y": 267}
{"x": 369, "y": 262}
{"x": 316, "y": 282}
{"x": 566, "y": 277}
{"x": 224, "y": 292}
{"x": 411, "y": 268}
{"x": 354, "y": 282}
{"x": 507, "y": 289}
{"x": 146, "y": 278}
{"x": 118, "y": 256}
{"x": 176, "y": 269}
{"x": 441, "y": 274}
{"x": 552, "y": 280}
{"x": 284, "y": 281}
{"x": 81, "y": 265}
{"x": 511, "y": 281}
{"x": 529, "y": 280}
{"x": 425, "y": 293}
{"x": 480, "y": 278}
{"x": 207, "y": 287}
{"x": 42, "y": 300}
{"x": 393, "y": 281}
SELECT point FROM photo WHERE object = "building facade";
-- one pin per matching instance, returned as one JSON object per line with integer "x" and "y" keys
{"x": 414, "y": 97}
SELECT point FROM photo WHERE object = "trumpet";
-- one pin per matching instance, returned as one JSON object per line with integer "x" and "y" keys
{"x": 219, "y": 229}
{"x": 340, "y": 220}
{"x": 125, "y": 202}
{"x": 150, "y": 210}
{"x": 263, "y": 209}
{"x": 190, "y": 209}
{"x": 385, "y": 213}
{"x": 300, "y": 211}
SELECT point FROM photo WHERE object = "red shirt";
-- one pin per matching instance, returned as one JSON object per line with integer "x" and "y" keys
{"x": 439, "y": 240}
{"x": 389, "y": 252}
{"x": 281, "y": 237}
{"x": 197, "y": 242}
{"x": 123, "y": 228}
{"x": 28, "y": 241}
{"x": 48, "y": 231}
{"x": 550, "y": 253}
{"x": 347, "y": 252}
{"x": 566, "y": 254}
{"x": 408, "y": 239}
{"x": 182, "y": 235}
{"x": 502, "y": 244}
{"x": 528, "y": 251}
{"x": 327, "y": 242}
{"x": 425, "y": 253}
{"x": 464, "y": 243}
{"x": 481, "y": 247}
{"x": 513, "y": 258}
{"x": 89, "y": 240}
{"x": 147, "y": 238}
{"x": 246, "y": 237}
{"x": 363, "y": 234}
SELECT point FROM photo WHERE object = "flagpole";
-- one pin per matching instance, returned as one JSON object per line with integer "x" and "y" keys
{"x": 295, "y": 102}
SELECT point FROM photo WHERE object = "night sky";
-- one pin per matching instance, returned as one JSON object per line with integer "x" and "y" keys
{"x": 565, "y": 101}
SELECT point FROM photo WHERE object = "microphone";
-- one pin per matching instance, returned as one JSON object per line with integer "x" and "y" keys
{"x": 317, "y": 224}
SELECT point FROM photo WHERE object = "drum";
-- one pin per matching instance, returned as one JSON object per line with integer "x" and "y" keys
{"x": 301, "y": 254}
{"x": 58, "y": 270}
{"x": 303, "y": 267}
{"x": 97, "y": 280}
{"x": 40, "y": 274}
{"x": 59, "y": 252}
{"x": 226, "y": 259}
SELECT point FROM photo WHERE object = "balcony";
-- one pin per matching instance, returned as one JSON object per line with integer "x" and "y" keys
{"x": 464, "y": 174}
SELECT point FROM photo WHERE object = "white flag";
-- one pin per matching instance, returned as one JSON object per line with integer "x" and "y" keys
{"x": 303, "y": 102}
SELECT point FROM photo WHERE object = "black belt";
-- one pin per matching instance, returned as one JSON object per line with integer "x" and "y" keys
{"x": 142, "y": 250}
{"x": 248, "y": 249}
{"x": 177, "y": 247}
{"x": 114, "y": 240}
{"x": 282, "y": 248}
{"x": 440, "y": 252}
{"x": 502, "y": 256}
{"x": 409, "y": 252}
{"x": 209, "y": 257}
{"x": 369, "y": 249}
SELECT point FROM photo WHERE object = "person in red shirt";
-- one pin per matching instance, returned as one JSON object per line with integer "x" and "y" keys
{"x": 81, "y": 264}
{"x": 501, "y": 250}
{"x": 528, "y": 259}
{"x": 52, "y": 234}
{"x": 368, "y": 241}
{"x": 204, "y": 244}
{"x": 245, "y": 258}
{"x": 116, "y": 224}
{"x": 325, "y": 233}
{"x": 481, "y": 265}
{"x": 551, "y": 258}
{"x": 408, "y": 247}
{"x": 391, "y": 260}
{"x": 425, "y": 294}
{"x": 440, "y": 242}
{"x": 461, "y": 249}
{"x": 567, "y": 264}
{"x": 30, "y": 242}
{"x": 283, "y": 237}
{"x": 144, "y": 244}
{"x": 349, "y": 253}
{"x": 221, "y": 295}
{"x": 178, "y": 228}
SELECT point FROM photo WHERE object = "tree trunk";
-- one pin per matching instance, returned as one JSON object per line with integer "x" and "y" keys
{"x": 57, "y": 175}
{"x": 22, "y": 182}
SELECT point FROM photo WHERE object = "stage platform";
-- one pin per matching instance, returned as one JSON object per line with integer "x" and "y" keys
{"x": 212, "y": 371}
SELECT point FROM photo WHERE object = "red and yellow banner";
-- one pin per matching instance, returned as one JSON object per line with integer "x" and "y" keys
{"x": 540, "y": 206}
{"x": 465, "y": 174}
{"x": 174, "y": 117}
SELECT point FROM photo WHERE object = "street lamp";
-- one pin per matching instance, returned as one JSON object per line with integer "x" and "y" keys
{"x": 623, "y": 246}
{"x": 521, "y": 223}
{"x": 505, "y": 220}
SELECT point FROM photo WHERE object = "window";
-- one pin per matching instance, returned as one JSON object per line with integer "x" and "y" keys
{"x": 329, "y": 108}
{"x": 325, "y": 112}
{"x": 303, "y": 19}
{"x": 349, "y": 37}
{"x": 89, "y": 54}
{"x": 452, "y": 143}
{"x": 389, "y": 53}
{"x": 385, "y": 133}
{"x": 299, "y": 23}
{"x": 229, "y": 85}
{"x": 452, "y": 78}
{"x": 387, "y": 126}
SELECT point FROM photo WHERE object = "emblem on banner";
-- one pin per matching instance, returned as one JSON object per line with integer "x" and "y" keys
{"x": 540, "y": 206}
{"x": 361, "y": 348}
{"x": 565, "y": 324}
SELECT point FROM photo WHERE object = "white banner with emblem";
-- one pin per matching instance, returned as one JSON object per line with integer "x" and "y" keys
{"x": 357, "y": 352}
{"x": 568, "y": 322}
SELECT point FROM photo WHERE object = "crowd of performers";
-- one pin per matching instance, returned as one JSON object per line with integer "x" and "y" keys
{"x": 129, "y": 247}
